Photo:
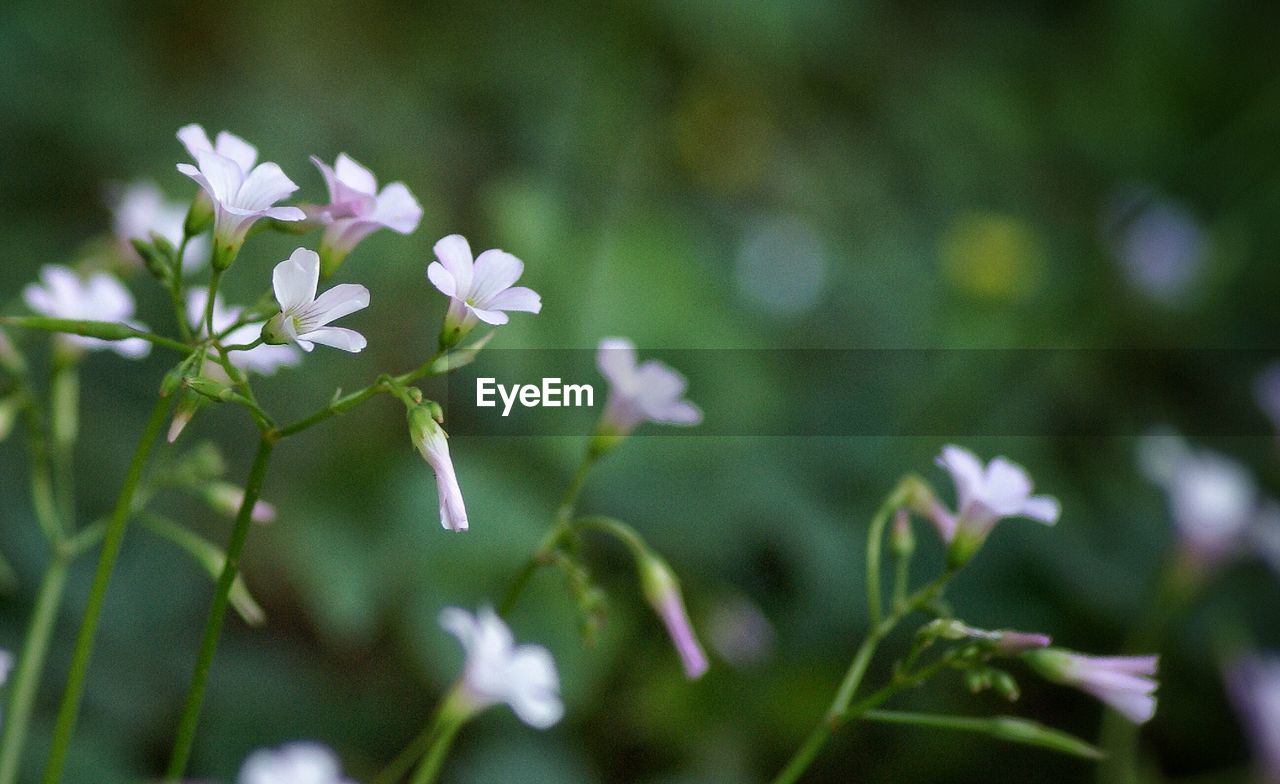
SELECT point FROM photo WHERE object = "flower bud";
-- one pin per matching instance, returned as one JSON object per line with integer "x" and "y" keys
{"x": 226, "y": 498}
{"x": 207, "y": 387}
{"x": 902, "y": 541}
{"x": 183, "y": 412}
{"x": 1002, "y": 683}
{"x": 662, "y": 591}
{"x": 433, "y": 443}
{"x": 159, "y": 265}
{"x": 199, "y": 216}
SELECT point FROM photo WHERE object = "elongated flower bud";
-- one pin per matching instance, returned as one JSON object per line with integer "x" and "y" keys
{"x": 662, "y": 590}
{"x": 431, "y": 440}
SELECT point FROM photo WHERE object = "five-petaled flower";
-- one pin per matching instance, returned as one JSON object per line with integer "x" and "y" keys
{"x": 62, "y": 294}
{"x": 478, "y": 291}
{"x": 641, "y": 392}
{"x": 240, "y": 195}
{"x": 303, "y": 317}
{"x": 984, "y": 496}
{"x": 497, "y": 670}
{"x": 1126, "y": 683}
{"x": 357, "y": 208}
{"x": 295, "y": 763}
{"x": 431, "y": 440}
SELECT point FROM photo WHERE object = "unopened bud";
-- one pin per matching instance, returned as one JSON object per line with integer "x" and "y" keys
{"x": 199, "y": 216}
{"x": 662, "y": 590}
{"x": 226, "y": 498}
{"x": 207, "y": 387}
{"x": 1002, "y": 683}
{"x": 902, "y": 541}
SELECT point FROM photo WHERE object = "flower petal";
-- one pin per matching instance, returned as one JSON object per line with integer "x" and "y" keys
{"x": 441, "y": 279}
{"x": 336, "y": 337}
{"x": 355, "y": 176}
{"x": 616, "y": 360}
{"x": 965, "y": 469}
{"x": 397, "y": 209}
{"x": 1007, "y": 486}
{"x": 533, "y": 687}
{"x": 495, "y": 317}
{"x": 228, "y": 145}
{"x": 495, "y": 271}
{"x": 295, "y": 279}
{"x": 264, "y": 186}
{"x": 516, "y": 298}
{"x": 223, "y": 177}
{"x": 337, "y": 302}
{"x": 455, "y": 254}
{"x": 195, "y": 140}
{"x": 1042, "y": 508}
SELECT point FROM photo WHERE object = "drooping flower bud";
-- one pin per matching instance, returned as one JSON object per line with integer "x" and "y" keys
{"x": 1126, "y": 683}
{"x": 433, "y": 443}
{"x": 662, "y": 590}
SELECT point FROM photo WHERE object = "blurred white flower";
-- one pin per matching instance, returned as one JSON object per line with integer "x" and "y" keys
{"x": 482, "y": 290}
{"x": 1253, "y": 683}
{"x": 303, "y": 316}
{"x": 240, "y": 197}
{"x": 984, "y": 496}
{"x": 140, "y": 208}
{"x": 1160, "y": 245}
{"x": 1126, "y": 683}
{"x": 61, "y": 293}
{"x": 357, "y": 208}
{"x": 264, "y": 360}
{"x": 781, "y": 266}
{"x": 295, "y": 763}
{"x": 498, "y": 671}
{"x": 431, "y": 440}
{"x": 1213, "y": 500}
{"x": 740, "y": 632}
{"x": 641, "y": 392}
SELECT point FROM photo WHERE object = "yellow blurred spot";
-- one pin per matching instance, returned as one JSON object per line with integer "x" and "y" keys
{"x": 724, "y": 133}
{"x": 991, "y": 255}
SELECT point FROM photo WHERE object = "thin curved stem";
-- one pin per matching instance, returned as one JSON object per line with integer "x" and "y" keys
{"x": 103, "y": 330}
{"x": 114, "y": 537}
{"x": 175, "y": 291}
{"x": 186, "y": 733}
{"x": 345, "y": 403}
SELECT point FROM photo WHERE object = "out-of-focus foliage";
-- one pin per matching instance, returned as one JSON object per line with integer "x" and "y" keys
{"x": 690, "y": 174}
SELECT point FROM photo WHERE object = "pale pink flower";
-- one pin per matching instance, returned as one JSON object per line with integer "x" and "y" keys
{"x": 295, "y": 763}
{"x": 240, "y": 197}
{"x": 499, "y": 671}
{"x": 641, "y": 392}
{"x": 1126, "y": 683}
{"x": 357, "y": 208}
{"x": 303, "y": 317}
{"x": 482, "y": 290}
{"x": 984, "y": 496}
{"x": 63, "y": 294}
{"x": 433, "y": 443}
{"x": 1254, "y": 686}
{"x": 228, "y": 145}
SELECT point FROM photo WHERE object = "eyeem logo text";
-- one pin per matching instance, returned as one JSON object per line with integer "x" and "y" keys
{"x": 550, "y": 394}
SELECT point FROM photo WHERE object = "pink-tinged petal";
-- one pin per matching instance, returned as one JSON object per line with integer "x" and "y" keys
{"x": 616, "y": 360}
{"x": 222, "y": 175}
{"x": 397, "y": 209}
{"x": 680, "y": 412}
{"x": 441, "y": 279}
{"x": 339, "y": 301}
{"x": 534, "y": 687}
{"x": 495, "y": 271}
{"x": 1007, "y": 487}
{"x": 201, "y": 180}
{"x": 228, "y": 145}
{"x": 965, "y": 469}
{"x": 336, "y": 337}
{"x": 285, "y": 214}
{"x": 265, "y": 186}
{"x": 295, "y": 279}
{"x": 195, "y": 140}
{"x": 1137, "y": 708}
{"x": 516, "y": 298}
{"x": 1133, "y": 665}
{"x": 355, "y": 176}
{"x": 455, "y": 254}
{"x": 330, "y": 178}
{"x": 1042, "y": 508}
{"x": 494, "y": 317}
{"x": 460, "y": 624}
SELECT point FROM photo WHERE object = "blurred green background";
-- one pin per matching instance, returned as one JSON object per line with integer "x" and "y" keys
{"x": 764, "y": 174}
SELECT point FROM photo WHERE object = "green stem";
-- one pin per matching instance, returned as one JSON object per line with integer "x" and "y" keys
{"x": 104, "y": 330}
{"x": 112, "y": 541}
{"x": 214, "y": 280}
{"x": 217, "y": 613}
{"x": 64, "y": 416}
{"x": 345, "y": 403}
{"x": 1010, "y": 729}
{"x": 30, "y": 668}
{"x": 444, "y": 727}
{"x": 175, "y": 291}
{"x": 875, "y": 538}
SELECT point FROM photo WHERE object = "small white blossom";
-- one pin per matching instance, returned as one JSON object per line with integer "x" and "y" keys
{"x": 141, "y": 208}
{"x": 641, "y": 392}
{"x": 228, "y": 145}
{"x": 240, "y": 197}
{"x": 62, "y": 294}
{"x": 263, "y": 360}
{"x": 986, "y": 495}
{"x": 481, "y": 290}
{"x": 303, "y": 316}
{"x": 357, "y": 208}
{"x": 433, "y": 443}
{"x": 1126, "y": 683}
{"x": 295, "y": 763}
{"x": 498, "y": 671}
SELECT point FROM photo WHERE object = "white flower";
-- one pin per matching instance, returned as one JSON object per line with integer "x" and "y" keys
{"x": 984, "y": 496}
{"x": 497, "y": 670}
{"x": 295, "y": 763}
{"x": 1213, "y": 499}
{"x": 62, "y": 294}
{"x": 431, "y": 440}
{"x": 1126, "y": 683}
{"x": 240, "y": 197}
{"x": 641, "y": 392}
{"x": 357, "y": 208}
{"x": 263, "y": 360}
{"x": 479, "y": 291}
{"x": 1254, "y": 686}
{"x": 140, "y": 208}
{"x": 228, "y": 145}
{"x": 303, "y": 316}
